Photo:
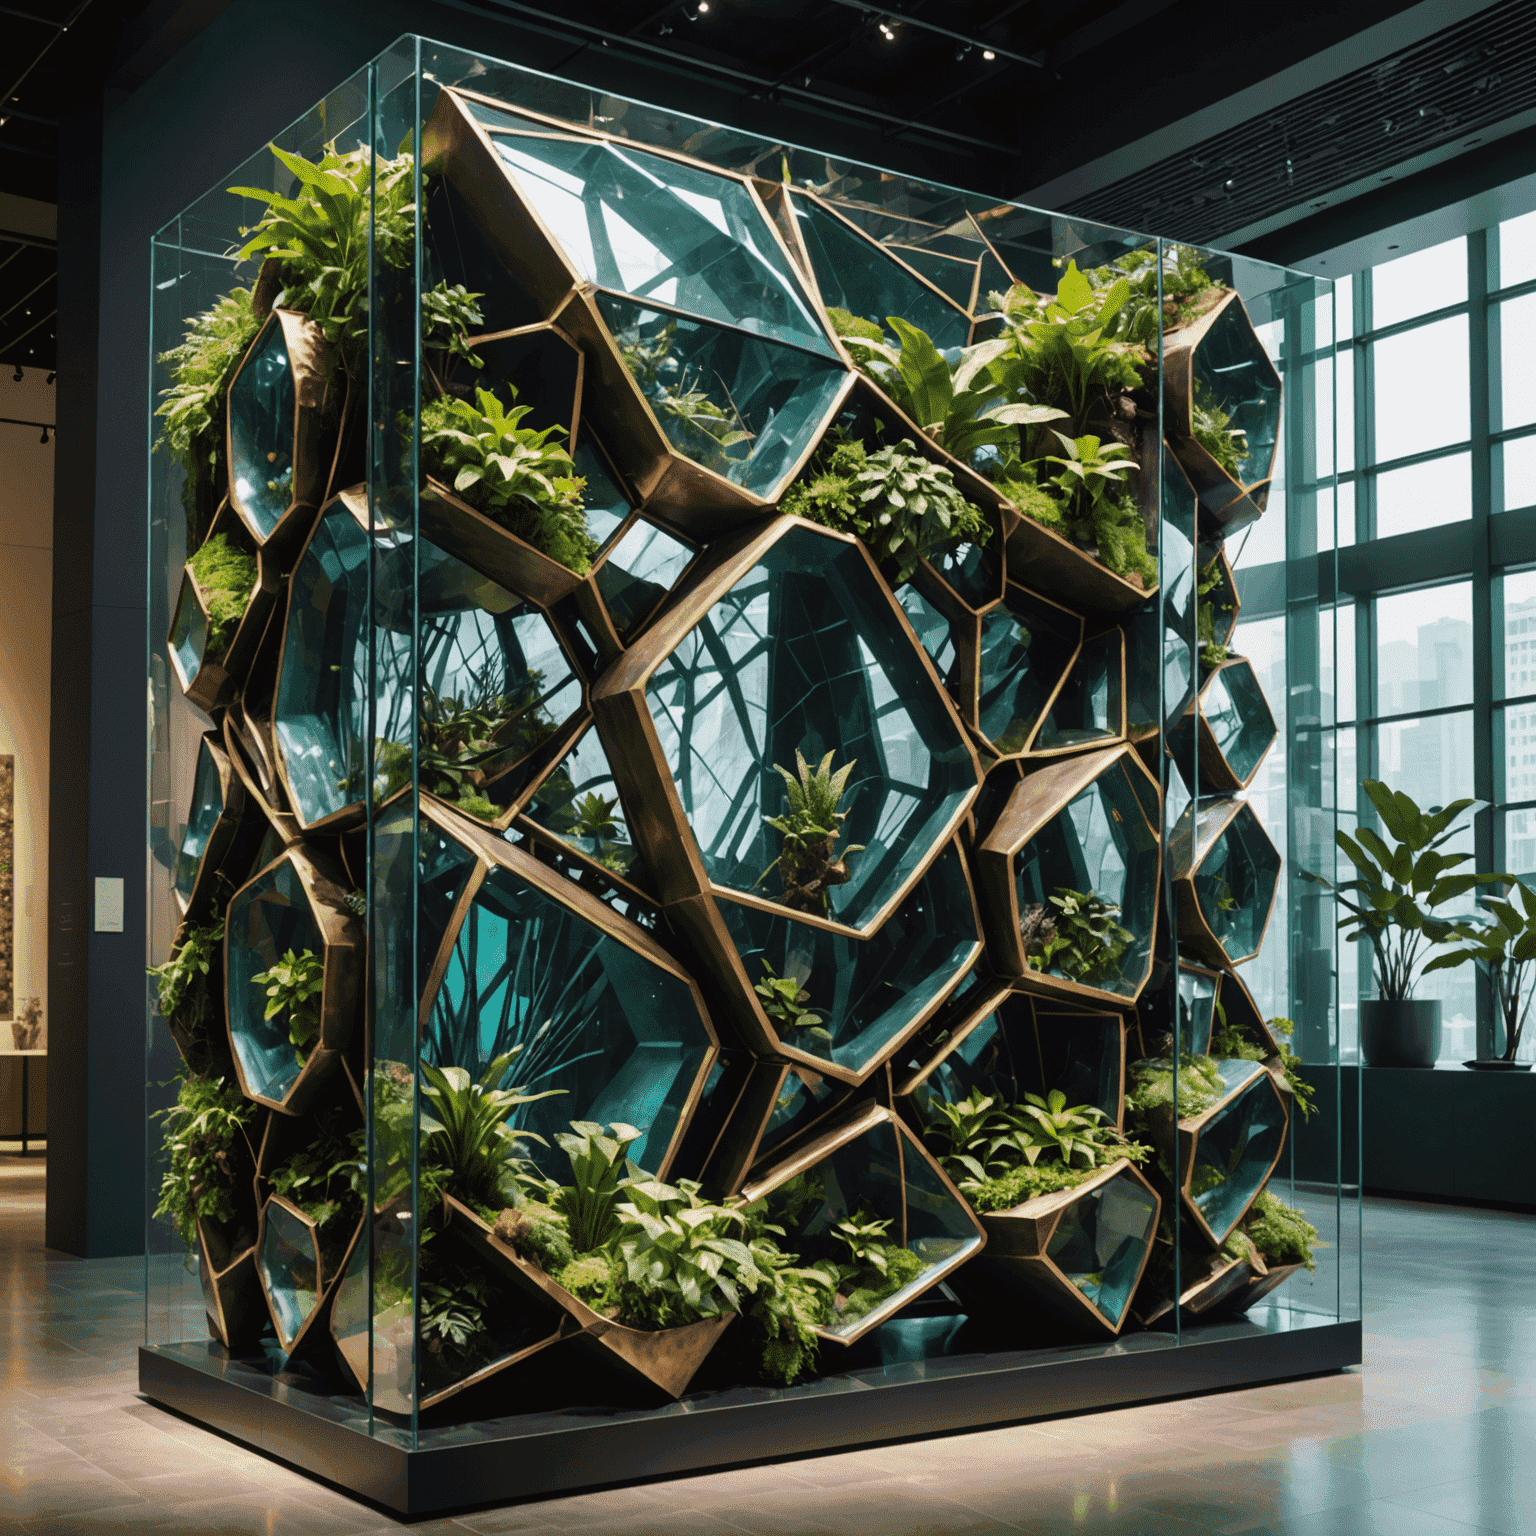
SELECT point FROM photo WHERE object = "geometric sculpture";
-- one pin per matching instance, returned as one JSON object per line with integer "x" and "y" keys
{"x": 231, "y": 1286}
{"x": 300, "y": 1263}
{"x": 1225, "y": 876}
{"x": 218, "y": 806}
{"x": 1231, "y": 726}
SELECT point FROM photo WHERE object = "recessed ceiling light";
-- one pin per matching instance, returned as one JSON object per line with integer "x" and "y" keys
{"x": 988, "y": 55}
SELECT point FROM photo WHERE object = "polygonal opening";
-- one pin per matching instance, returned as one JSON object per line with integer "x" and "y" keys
{"x": 643, "y": 566}
{"x": 262, "y": 417}
{"x": 1237, "y": 1148}
{"x": 1234, "y": 883}
{"x": 579, "y": 803}
{"x": 1160, "y": 632}
{"x": 932, "y": 630}
{"x": 1027, "y": 648}
{"x": 207, "y": 807}
{"x": 1089, "y": 707}
{"x": 189, "y": 634}
{"x": 1237, "y": 715}
{"x": 288, "y": 1257}
{"x": 1232, "y": 371}
{"x": 1197, "y": 1009}
{"x": 1101, "y": 1242}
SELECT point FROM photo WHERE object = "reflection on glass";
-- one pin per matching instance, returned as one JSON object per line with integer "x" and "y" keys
{"x": 189, "y": 634}
{"x": 620, "y": 1037}
{"x": 290, "y": 1265}
{"x": 971, "y": 570}
{"x": 1231, "y": 369}
{"x": 1026, "y": 646}
{"x": 1197, "y": 1010}
{"x": 803, "y": 655}
{"x": 579, "y": 803}
{"x": 606, "y": 504}
{"x": 640, "y": 224}
{"x": 1424, "y": 495}
{"x": 644, "y": 566}
{"x": 1517, "y": 472}
{"x": 207, "y": 807}
{"x": 1237, "y": 712}
{"x": 1101, "y": 1239}
{"x": 931, "y": 628}
{"x": 1424, "y": 650}
{"x": 866, "y": 991}
{"x": 953, "y": 276}
{"x": 261, "y": 427}
{"x": 746, "y": 408}
{"x": 1237, "y": 1147}
{"x": 1235, "y": 883}
{"x": 1421, "y": 389}
{"x": 1087, "y": 709}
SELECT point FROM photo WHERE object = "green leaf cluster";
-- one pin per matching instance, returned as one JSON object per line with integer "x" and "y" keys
{"x": 295, "y": 984}
{"x": 1214, "y": 431}
{"x": 1400, "y": 887}
{"x": 1150, "y": 1086}
{"x": 600, "y": 1169}
{"x": 521, "y": 478}
{"x": 1229, "y": 1043}
{"x": 690, "y": 416}
{"x": 201, "y": 368}
{"x": 809, "y": 828}
{"x": 1075, "y": 932}
{"x": 179, "y": 977}
{"x": 1503, "y": 945}
{"x": 1280, "y": 1232}
{"x": 1210, "y": 578}
{"x": 1186, "y": 289}
{"x": 788, "y": 1004}
{"x": 204, "y": 1129}
{"x": 1099, "y": 511}
{"x": 227, "y": 575}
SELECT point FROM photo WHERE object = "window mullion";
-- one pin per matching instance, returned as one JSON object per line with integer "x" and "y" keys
{"x": 1480, "y": 375}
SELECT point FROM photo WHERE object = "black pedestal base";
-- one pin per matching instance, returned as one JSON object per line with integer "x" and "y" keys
{"x": 533, "y": 1455}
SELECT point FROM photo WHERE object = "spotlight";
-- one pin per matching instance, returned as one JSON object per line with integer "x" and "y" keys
{"x": 988, "y": 55}
{"x": 703, "y": 7}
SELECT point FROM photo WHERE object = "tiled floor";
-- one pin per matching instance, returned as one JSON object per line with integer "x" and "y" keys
{"x": 1433, "y": 1436}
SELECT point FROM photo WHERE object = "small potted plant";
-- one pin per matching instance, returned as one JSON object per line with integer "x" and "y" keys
{"x": 1503, "y": 944}
{"x": 1393, "y": 904}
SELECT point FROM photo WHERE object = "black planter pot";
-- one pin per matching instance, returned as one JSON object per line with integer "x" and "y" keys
{"x": 1498, "y": 1066}
{"x": 1399, "y": 1034}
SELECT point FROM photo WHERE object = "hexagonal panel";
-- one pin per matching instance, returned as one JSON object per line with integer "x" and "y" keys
{"x": 523, "y": 958}
{"x": 788, "y": 642}
{"x": 1227, "y": 732}
{"x": 1078, "y": 1254}
{"x": 1227, "y": 1153}
{"x": 1073, "y": 829}
{"x": 1225, "y": 876}
{"x": 291, "y": 905}
{"x": 871, "y": 1165}
{"x": 283, "y": 399}
{"x": 485, "y": 659}
{"x": 1089, "y": 707}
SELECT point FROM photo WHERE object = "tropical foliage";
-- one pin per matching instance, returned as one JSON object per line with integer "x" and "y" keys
{"x": 1502, "y": 944}
{"x": 206, "y": 1131}
{"x": 227, "y": 574}
{"x": 1075, "y": 932}
{"x": 809, "y": 864}
{"x": 294, "y": 985}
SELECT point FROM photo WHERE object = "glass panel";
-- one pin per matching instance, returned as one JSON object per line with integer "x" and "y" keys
{"x": 1517, "y": 462}
{"x": 290, "y": 1268}
{"x": 1421, "y": 389}
{"x": 606, "y": 505}
{"x": 1417, "y": 284}
{"x": 1520, "y": 844}
{"x": 657, "y": 229}
{"x": 971, "y": 569}
{"x": 1424, "y": 495}
{"x": 1237, "y": 1147}
{"x": 1088, "y": 707}
{"x": 261, "y": 426}
{"x": 1231, "y": 367}
{"x": 1101, "y": 1239}
{"x": 1518, "y": 591}
{"x": 1517, "y": 339}
{"x": 207, "y": 807}
{"x": 1517, "y": 250}
{"x": 1197, "y": 1010}
{"x": 1424, "y": 649}
{"x": 189, "y": 634}
{"x": 857, "y": 274}
{"x": 1026, "y": 646}
{"x": 580, "y": 803}
{"x": 802, "y": 656}
{"x": 644, "y": 566}
{"x": 1235, "y": 883}
{"x": 931, "y": 628}
{"x": 1239, "y": 717}
{"x": 951, "y": 275}
{"x": 1344, "y": 411}
{"x": 746, "y": 408}
{"x": 1515, "y": 767}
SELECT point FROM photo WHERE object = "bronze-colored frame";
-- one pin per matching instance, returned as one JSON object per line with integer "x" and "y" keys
{"x": 222, "y": 835}
{"x": 1037, "y": 800}
{"x": 232, "y": 1291}
{"x": 1186, "y": 859}
{"x": 1216, "y": 775}
{"x": 314, "y": 1332}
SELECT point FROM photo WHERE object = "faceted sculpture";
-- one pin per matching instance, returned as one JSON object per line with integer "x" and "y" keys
{"x": 1225, "y": 873}
{"x": 1019, "y": 656}
{"x": 1072, "y": 832}
{"x": 1226, "y": 733}
{"x": 513, "y": 955}
{"x": 300, "y": 1264}
{"x": 285, "y": 404}
{"x": 1216, "y": 365}
{"x": 290, "y": 907}
{"x": 232, "y": 1295}
{"x": 488, "y": 665}
{"x": 870, "y": 1170}
{"x": 213, "y": 822}
{"x": 1227, "y": 1152}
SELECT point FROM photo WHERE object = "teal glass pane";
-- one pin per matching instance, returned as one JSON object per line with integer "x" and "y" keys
{"x": 1087, "y": 710}
{"x": 678, "y": 234}
{"x": 1100, "y": 843}
{"x": 606, "y": 504}
{"x": 1026, "y": 646}
{"x": 644, "y": 566}
{"x": 1197, "y": 1011}
{"x": 189, "y": 634}
{"x": 207, "y": 807}
{"x": 994, "y": 279}
{"x": 803, "y": 654}
{"x": 1235, "y": 883}
{"x": 290, "y": 1266}
{"x": 931, "y": 628}
{"x": 1235, "y": 1151}
{"x": 579, "y": 803}
{"x": 951, "y": 275}
{"x": 492, "y": 676}
{"x": 1100, "y": 1242}
{"x": 1159, "y": 634}
{"x": 1231, "y": 364}
{"x": 804, "y": 1096}
{"x": 866, "y": 991}
{"x": 619, "y": 1037}
{"x": 971, "y": 570}
{"x": 864, "y": 1177}
{"x": 261, "y": 425}
{"x": 857, "y": 274}
{"x": 744, "y": 407}
{"x": 266, "y": 919}
{"x": 1239, "y": 716}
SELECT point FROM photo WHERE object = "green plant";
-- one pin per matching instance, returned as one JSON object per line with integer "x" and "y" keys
{"x": 537, "y": 1232}
{"x": 1400, "y": 888}
{"x": 1211, "y": 579}
{"x": 1080, "y": 937}
{"x": 203, "y": 1130}
{"x": 1214, "y": 431}
{"x": 1229, "y": 1042}
{"x": 177, "y": 981}
{"x": 295, "y": 983}
{"x": 1003, "y": 1191}
{"x": 975, "y": 1134}
{"x": 595, "y": 826}
{"x": 875, "y": 1270}
{"x": 1280, "y": 1232}
{"x": 853, "y": 326}
{"x": 1186, "y": 289}
{"x": 1098, "y": 510}
{"x": 1503, "y": 945}
{"x": 707, "y": 429}
{"x": 600, "y": 1168}
{"x": 514, "y": 474}
{"x": 787, "y": 1004}
{"x": 1150, "y": 1086}
{"x": 456, "y": 1301}
{"x": 449, "y": 316}
{"x": 326, "y": 1178}
{"x": 786, "y": 1308}
{"x": 227, "y": 574}
{"x": 810, "y": 828}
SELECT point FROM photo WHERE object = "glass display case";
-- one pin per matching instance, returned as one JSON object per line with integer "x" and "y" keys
{"x": 735, "y": 738}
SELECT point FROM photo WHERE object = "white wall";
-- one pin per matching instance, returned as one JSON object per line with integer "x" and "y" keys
{"x": 26, "y": 586}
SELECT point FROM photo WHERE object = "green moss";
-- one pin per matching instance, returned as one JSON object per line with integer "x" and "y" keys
{"x": 592, "y": 1278}
{"x": 1280, "y": 1232}
{"x": 902, "y": 1267}
{"x": 227, "y": 575}
{"x": 1025, "y": 1183}
{"x": 537, "y": 1233}
{"x": 1020, "y": 486}
{"x": 783, "y": 1359}
{"x": 1150, "y": 1086}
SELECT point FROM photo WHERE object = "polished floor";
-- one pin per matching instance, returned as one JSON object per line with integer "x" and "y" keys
{"x": 1434, "y": 1437}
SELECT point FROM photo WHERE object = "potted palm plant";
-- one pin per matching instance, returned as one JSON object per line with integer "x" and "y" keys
{"x": 1503, "y": 945}
{"x": 1393, "y": 904}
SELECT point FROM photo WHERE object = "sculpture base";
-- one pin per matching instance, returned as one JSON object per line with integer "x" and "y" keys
{"x": 492, "y": 1461}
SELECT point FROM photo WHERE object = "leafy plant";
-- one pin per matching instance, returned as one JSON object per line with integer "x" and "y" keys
{"x": 875, "y": 1270}
{"x": 1186, "y": 289}
{"x": 516, "y": 475}
{"x": 537, "y": 1232}
{"x": 1098, "y": 510}
{"x": 785, "y": 1310}
{"x": 1150, "y": 1086}
{"x": 1280, "y": 1232}
{"x": 1393, "y": 902}
{"x": 595, "y": 826}
{"x": 685, "y": 409}
{"x": 1210, "y": 579}
{"x": 1214, "y": 431}
{"x": 177, "y": 980}
{"x": 1080, "y": 936}
{"x": 450, "y": 314}
{"x": 1503, "y": 945}
{"x": 787, "y": 1004}
{"x": 227, "y": 575}
{"x": 600, "y": 1168}
{"x": 1229, "y": 1042}
{"x": 203, "y": 1129}
{"x": 455, "y": 1307}
{"x": 810, "y": 828}
{"x": 295, "y": 983}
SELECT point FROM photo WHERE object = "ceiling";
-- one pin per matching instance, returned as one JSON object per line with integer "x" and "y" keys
{"x": 1166, "y": 114}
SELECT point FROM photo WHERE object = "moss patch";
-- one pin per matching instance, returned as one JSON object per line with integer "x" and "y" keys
{"x": 227, "y": 576}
